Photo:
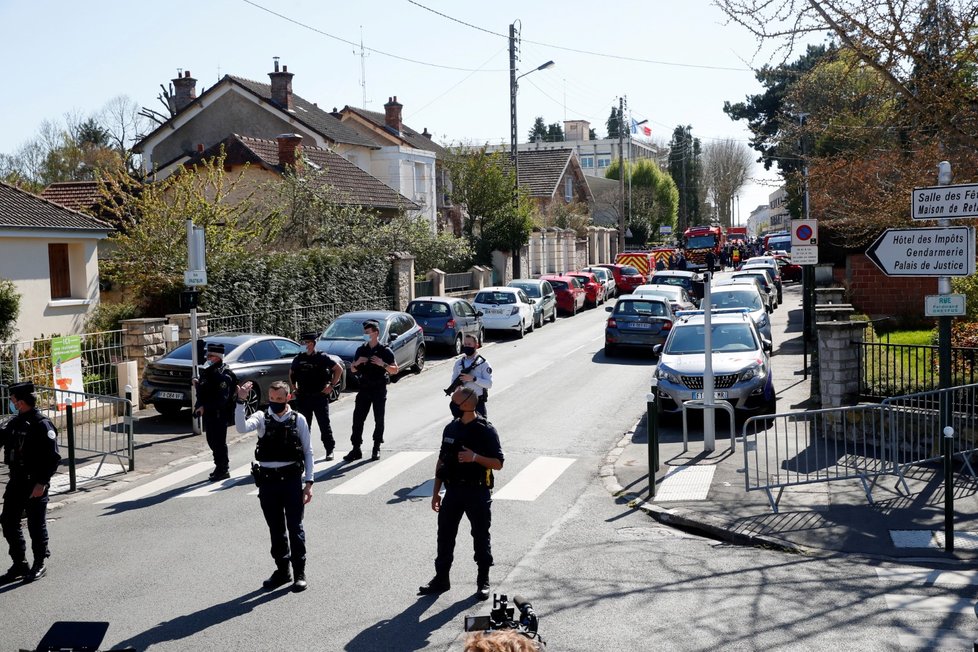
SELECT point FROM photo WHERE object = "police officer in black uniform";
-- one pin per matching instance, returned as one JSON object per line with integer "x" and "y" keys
{"x": 30, "y": 445}
{"x": 284, "y": 454}
{"x": 314, "y": 375}
{"x": 214, "y": 394}
{"x": 374, "y": 363}
{"x": 470, "y": 452}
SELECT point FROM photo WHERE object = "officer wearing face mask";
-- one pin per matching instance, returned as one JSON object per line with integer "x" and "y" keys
{"x": 471, "y": 371}
{"x": 284, "y": 454}
{"x": 214, "y": 391}
{"x": 30, "y": 447}
{"x": 373, "y": 363}
{"x": 470, "y": 452}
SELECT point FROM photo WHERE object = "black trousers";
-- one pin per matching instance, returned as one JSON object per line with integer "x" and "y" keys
{"x": 475, "y": 502}
{"x": 280, "y": 496}
{"x": 216, "y": 431}
{"x": 16, "y": 500}
{"x": 309, "y": 404}
{"x": 367, "y": 397}
{"x": 480, "y": 408}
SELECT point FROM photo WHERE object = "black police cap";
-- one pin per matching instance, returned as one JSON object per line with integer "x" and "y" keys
{"x": 309, "y": 336}
{"x": 21, "y": 390}
{"x": 215, "y": 347}
{"x": 372, "y": 323}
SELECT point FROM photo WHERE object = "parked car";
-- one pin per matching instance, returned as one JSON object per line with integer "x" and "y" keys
{"x": 741, "y": 362}
{"x": 505, "y": 308}
{"x": 544, "y": 299}
{"x": 593, "y": 290}
{"x": 570, "y": 294}
{"x": 446, "y": 321}
{"x": 398, "y": 330}
{"x": 607, "y": 279}
{"x": 743, "y": 297}
{"x": 261, "y": 359}
{"x": 789, "y": 270}
{"x": 677, "y": 295}
{"x": 770, "y": 263}
{"x": 637, "y": 321}
{"x": 692, "y": 281}
{"x": 627, "y": 278}
{"x": 764, "y": 280}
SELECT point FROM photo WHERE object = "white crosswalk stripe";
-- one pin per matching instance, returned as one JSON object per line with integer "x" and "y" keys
{"x": 159, "y": 484}
{"x": 533, "y": 480}
{"x": 934, "y": 604}
{"x": 380, "y": 473}
{"x": 929, "y": 577}
{"x": 943, "y": 606}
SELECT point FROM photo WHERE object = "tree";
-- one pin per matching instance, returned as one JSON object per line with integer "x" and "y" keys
{"x": 654, "y": 198}
{"x": 538, "y": 131}
{"x": 614, "y": 123}
{"x": 685, "y": 167}
{"x": 727, "y": 165}
{"x": 555, "y": 133}
{"x": 592, "y": 134}
{"x": 9, "y": 309}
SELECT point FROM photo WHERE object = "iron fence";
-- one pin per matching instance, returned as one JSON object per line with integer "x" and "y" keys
{"x": 424, "y": 288}
{"x": 458, "y": 282}
{"x": 896, "y": 369}
{"x": 31, "y": 360}
{"x": 95, "y": 433}
{"x": 292, "y": 321}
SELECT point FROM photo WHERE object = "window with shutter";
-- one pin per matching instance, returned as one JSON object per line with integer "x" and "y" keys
{"x": 59, "y": 271}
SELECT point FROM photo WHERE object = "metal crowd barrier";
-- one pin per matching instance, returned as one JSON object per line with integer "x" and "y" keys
{"x": 95, "y": 433}
{"x": 860, "y": 442}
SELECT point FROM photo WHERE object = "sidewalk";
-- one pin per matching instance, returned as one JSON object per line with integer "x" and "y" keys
{"x": 827, "y": 517}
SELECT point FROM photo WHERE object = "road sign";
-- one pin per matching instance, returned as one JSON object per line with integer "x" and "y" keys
{"x": 945, "y": 202}
{"x": 939, "y": 251}
{"x": 944, "y": 305}
{"x": 804, "y": 254}
{"x": 195, "y": 277}
{"x": 804, "y": 232}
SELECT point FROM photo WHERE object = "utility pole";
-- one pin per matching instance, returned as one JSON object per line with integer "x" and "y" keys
{"x": 514, "y": 155}
{"x": 621, "y": 173}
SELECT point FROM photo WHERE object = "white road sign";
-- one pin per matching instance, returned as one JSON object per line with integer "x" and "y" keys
{"x": 939, "y": 251}
{"x": 195, "y": 277}
{"x": 804, "y": 232}
{"x": 945, "y": 202}
{"x": 804, "y": 254}
{"x": 944, "y": 305}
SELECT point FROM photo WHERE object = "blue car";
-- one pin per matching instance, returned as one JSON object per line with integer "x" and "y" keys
{"x": 446, "y": 320}
{"x": 398, "y": 330}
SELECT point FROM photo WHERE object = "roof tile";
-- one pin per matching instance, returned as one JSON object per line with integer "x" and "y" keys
{"x": 20, "y": 209}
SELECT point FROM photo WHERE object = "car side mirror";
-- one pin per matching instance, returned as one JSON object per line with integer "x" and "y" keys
{"x": 608, "y": 308}
{"x": 392, "y": 337}
{"x": 657, "y": 349}
{"x": 767, "y": 345}
{"x": 478, "y": 313}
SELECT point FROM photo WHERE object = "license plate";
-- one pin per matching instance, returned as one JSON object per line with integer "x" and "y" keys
{"x": 429, "y": 338}
{"x": 497, "y": 311}
{"x": 178, "y": 396}
{"x": 640, "y": 324}
{"x": 716, "y": 394}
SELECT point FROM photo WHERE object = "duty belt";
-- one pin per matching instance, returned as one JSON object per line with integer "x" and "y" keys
{"x": 280, "y": 473}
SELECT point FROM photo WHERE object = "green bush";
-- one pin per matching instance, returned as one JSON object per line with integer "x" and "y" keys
{"x": 108, "y": 316}
{"x": 9, "y": 309}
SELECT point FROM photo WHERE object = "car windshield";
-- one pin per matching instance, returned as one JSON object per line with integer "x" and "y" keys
{"x": 532, "y": 289}
{"x": 346, "y": 328}
{"x": 495, "y": 298}
{"x": 601, "y": 274}
{"x": 558, "y": 285}
{"x": 736, "y": 299}
{"x": 760, "y": 277}
{"x": 701, "y": 242}
{"x": 669, "y": 280}
{"x": 628, "y": 270}
{"x": 725, "y": 337}
{"x": 183, "y": 352}
{"x": 641, "y": 308}
{"x": 428, "y": 309}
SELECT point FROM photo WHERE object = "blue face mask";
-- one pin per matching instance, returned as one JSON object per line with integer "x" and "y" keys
{"x": 366, "y": 337}
{"x": 13, "y": 408}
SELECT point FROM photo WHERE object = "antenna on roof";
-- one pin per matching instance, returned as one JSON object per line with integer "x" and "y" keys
{"x": 363, "y": 54}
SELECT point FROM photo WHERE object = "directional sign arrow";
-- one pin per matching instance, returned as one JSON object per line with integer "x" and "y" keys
{"x": 939, "y": 251}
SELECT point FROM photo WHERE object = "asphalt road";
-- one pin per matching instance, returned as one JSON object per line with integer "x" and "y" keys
{"x": 181, "y": 567}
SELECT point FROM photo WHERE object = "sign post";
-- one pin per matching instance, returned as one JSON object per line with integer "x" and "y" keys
{"x": 194, "y": 276}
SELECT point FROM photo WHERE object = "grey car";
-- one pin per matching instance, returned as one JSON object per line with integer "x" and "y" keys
{"x": 544, "y": 299}
{"x": 743, "y": 297}
{"x": 637, "y": 322}
{"x": 398, "y": 330}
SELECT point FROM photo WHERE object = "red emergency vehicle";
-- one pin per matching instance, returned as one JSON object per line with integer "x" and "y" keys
{"x": 698, "y": 241}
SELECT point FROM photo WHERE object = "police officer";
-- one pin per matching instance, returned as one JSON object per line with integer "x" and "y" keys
{"x": 314, "y": 375}
{"x": 472, "y": 371}
{"x": 214, "y": 392}
{"x": 470, "y": 452}
{"x": 374, "y": 363}
{"x": 284, "y": 454}
{"x": 30, "y": 444}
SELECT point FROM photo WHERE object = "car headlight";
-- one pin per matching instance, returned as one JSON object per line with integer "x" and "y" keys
{"x": 667, "y": 374}
{"x": 754, "y": 371}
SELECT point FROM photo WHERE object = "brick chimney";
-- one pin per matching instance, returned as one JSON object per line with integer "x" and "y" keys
{"x": 289, "y": 149}
{"x": 282, "y": 87}
{"x": 184, "y": 90}
{"x": 426, "y": 133}
{"x": 392, "y": 114}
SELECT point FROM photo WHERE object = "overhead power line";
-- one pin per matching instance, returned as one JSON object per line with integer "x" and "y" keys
{"x": 579, "y": 51}
{"x": 349, "y": 42}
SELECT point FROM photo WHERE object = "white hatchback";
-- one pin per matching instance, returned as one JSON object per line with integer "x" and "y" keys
{"x": 505, "y": 308}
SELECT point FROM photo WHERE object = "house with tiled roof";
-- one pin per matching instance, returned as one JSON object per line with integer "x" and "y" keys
{"x": 235, "y": 105}
{"x": 50, "y": 252}
{"x": 80, "y": 196}
{"x": 552, "y": 175}
{"x": 398, "y": 141}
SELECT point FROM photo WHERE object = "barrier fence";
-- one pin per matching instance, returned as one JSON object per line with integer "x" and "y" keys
{"x": 31, "y": 360}
{"x": 95, "y": 433}
{"x": 860, "y": 442}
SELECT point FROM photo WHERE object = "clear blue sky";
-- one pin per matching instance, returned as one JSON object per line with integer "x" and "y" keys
{"x": 66, "y": 56}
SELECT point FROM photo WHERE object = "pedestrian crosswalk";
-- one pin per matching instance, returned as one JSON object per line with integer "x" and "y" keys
{"x": 529, "y": 481}
{"x": 927, "y": 591}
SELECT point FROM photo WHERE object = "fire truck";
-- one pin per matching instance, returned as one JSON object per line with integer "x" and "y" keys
{"x": 698, "y": 241}
{"x": 737, "y": 234}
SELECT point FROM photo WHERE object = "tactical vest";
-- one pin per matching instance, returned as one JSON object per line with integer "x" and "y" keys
{"x": 453, "y": 472}
{"x": 281, "y": 442}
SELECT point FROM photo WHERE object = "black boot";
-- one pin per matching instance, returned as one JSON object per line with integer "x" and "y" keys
{"x": 329, "y": 452}
{"x": 37, "y": 572}
{"x": 482, "y": 584}
{"x": 438, "y": 584}
{"x": 279, "y": 577}
{"x": 299, "y": 583}
{"x": 18, "y": 571}
{"x": 355, "y": 454}
{"x": 376, "y": 452}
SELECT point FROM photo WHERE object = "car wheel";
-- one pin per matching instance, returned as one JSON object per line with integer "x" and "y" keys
{"x": 253, "y": 402}
{"x": 553, "y": 314}
{"x": 537, "y": 323}
{"x": 168, "y": 409}
{"x": 458, "y": 345}
{"x": 334, "y": 395}
{"x": 521, "y": 331}
{"x": 482, "y": 336}
{"x": 573, "y": 309}
{"x": 419, "y": 359}
{"x": 609, "y": 350}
